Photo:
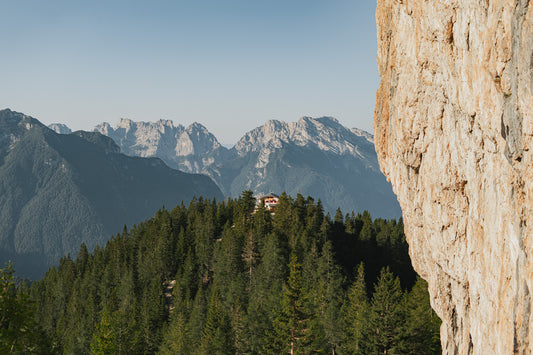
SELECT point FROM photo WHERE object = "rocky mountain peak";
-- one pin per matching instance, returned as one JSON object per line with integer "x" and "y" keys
{"x": 165, "y": 140}
{"x": 273, "y": 132}
{"x": 9, "y": 118}
{"x": 196, "y": 139}
{"x": 104, "y": 128}
{"x": 197, "y": 127}
{"x": 167, "y": 123}
{"x": 324, "y": 133}
{"x": 60, "y": 128}
{"x": 14, "y": 125}
{"x": 125, "y": 123}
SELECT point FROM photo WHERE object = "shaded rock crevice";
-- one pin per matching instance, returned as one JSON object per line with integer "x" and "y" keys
{"x": 512, "y": 117}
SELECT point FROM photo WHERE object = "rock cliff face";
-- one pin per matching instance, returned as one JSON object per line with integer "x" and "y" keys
{"x": 60, "y": 128}
{"x": 453, "y": 131}
{"x": 324, "y": 133}
{"x": 190, "y": 148}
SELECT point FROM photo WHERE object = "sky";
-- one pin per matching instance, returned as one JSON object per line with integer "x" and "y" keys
{"x": 231, "y": 65}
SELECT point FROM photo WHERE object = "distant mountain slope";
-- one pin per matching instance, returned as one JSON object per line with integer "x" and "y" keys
{"x": 57, "y": 191}
{"x": 314, "y": 156}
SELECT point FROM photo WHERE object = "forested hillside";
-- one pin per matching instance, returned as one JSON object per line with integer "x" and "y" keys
{"x": 217, "y": 278}
{"x": 58, "y": 190}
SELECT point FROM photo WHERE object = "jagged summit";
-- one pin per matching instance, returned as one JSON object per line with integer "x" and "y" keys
{"x": 126, "y": 126}
{"x": 148, "y": 138}
{"x": 60, "y": 128}
{"x": 165, "y": 140}
{"x": 316, "y": 156}
{"x": 14, "y": 125}
{"x": 324, "y": 133}
{"x": 9, "y": 118}
{"x": 161, "y": 124}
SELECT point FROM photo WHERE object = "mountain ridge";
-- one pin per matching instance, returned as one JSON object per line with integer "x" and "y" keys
{"x": 59, "y": 190}
{"x": 314, "y": 156}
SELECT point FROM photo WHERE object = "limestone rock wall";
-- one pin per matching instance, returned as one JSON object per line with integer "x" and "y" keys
{"x": 453, "y": 131}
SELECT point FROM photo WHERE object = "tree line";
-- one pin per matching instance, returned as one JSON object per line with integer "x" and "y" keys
{"x": 227, "y": 278}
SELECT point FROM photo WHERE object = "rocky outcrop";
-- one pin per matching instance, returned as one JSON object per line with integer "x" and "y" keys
{"x": 60, "y": 128}
{"x": 453, "y": 131}
{"x": 190, "y": 148}
{"x": 324, "y": 133}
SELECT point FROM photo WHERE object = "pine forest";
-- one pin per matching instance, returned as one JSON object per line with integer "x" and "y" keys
{"x": 229, "y": 278}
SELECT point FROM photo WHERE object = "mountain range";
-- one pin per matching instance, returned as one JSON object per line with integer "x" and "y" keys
{"x": 318, "y": 157}
{"x": 59, "y": 190}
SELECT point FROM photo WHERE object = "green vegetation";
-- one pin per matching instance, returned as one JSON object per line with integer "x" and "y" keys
{"x": 294, "y": 282}
{"x": 57, "y": 191}
{"x": 19, "y": 333}
{"x": 343, "y": 180}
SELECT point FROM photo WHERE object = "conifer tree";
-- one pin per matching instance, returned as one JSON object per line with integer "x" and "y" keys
{"x": 72, "y": 325}
{"x": 386, "y": 318}
{"x": 349, "y": 221}
{"x": 325, "y": 229}
{"x": 246, "y": 203}
{"x": 238, "y": 328}
{"x": 338, "y": 218}
{"x": 314, "y": 283}
{"x": 262, "y": 223}
{"x": 367, "y": 229}
{"x": 282, "y": 220}
{"x": 422, "y": 324}
{"x": 250, "y": 253}
{"x": 186, "y": 280}
{"x": 217, "y": 337}
{"x": 228, "y": 267}
{"x": 331, "y": 294}
{"x": 196, "y": 319}
{"x": 265, "y": 295}
{"x": 355, "y": 310}
{"x": 104, "y": 337}
{"x": 18, "y": 331}
{"x": 82, "y": 258}
{"x": 291, "y": 325}
{"x": 204, "y": 227}
{"x": 176, "y": 340}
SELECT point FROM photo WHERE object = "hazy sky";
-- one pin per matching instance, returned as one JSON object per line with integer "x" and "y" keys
{"x": 228, "y": 64}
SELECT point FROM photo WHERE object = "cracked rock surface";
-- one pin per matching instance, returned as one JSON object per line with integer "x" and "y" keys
{"x": 453, "y": 130}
